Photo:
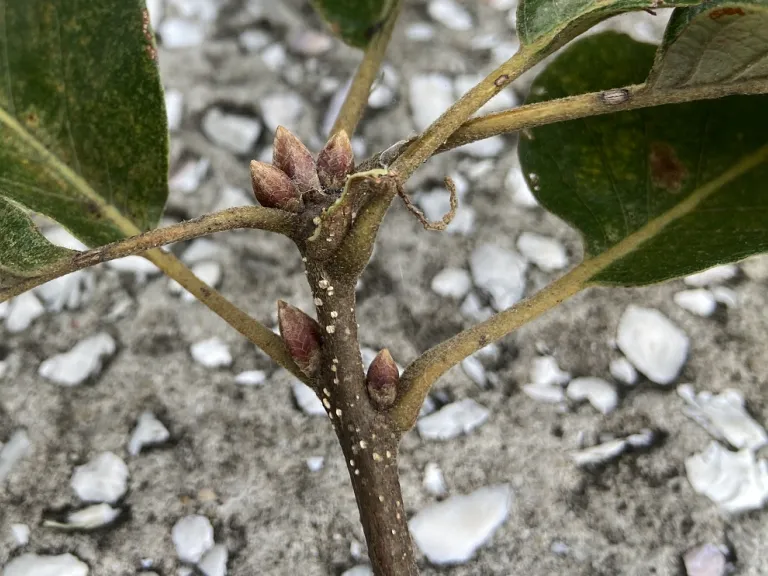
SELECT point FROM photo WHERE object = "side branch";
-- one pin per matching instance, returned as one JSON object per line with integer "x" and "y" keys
{"x": 234, "y": 218}
{"x": 591, "y": 104}
{"x": 357, "y": 98}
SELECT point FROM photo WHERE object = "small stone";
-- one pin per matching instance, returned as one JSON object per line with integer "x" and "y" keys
{"x": 601, "y": 394}
{"x": 20, "y": 534}
{"x": 655, "y": 346}
{"x": 156, "y": 9}
{"x": 360, "y": 570}
{"x": 149, "y": 431}
{"x": 596, "y": 455}
{"x": 385, "y": 89}
{"x": 433, "y": 481}
{"x": 177, "y": 33}
{"x": 486, "y": 148}
{"x": 282, "y": 109}
{"x": 140, "y": 267}
{"x": 623, "y": 371}
{"x": 103, "y": 479}
{"x": 698, "y": 301}
{"x": 429, "y": 95}
{"x": 34, "y": 565}
{"x": 453, "y": 420}
{"x": 254, "y": 40}
{"x": 274, "y": 57}
{"x": 516, "y": 184}
{"x": 67, "y": 292}
{"x": 544, "y": 393}
{"x": 724, "y": 416}
{"x": 756, "y": 267}
{"x": 214, "y": 563}
{"x": 546, "y": 253}
{"x": 88, "y": 518}
{"x": 307, "y": 400}
{"x": 706, "y": 560}
{"x": 474, "y": 309}
{"x": 715, "y": 275}
{"x": 22, "y": 311}
{"x": 193, "y": 537}
{"x": 188, "y": 178}
{"x": 211, "y": 353}
{"x": 83, "y": 361}
{"x": 306, "y": 42}
{"x": 736, "y": 481}
{"x": 452, "y": 283}
{"x": 420, "y": 32}
{"x": 251, "y": 378}
{"x": 315, "y": 463}
{"x": 16, "y": 448}
{"x": 209, "y": 272}
{"x": 200, "y": 250}
{"x": 559, "y": 548}
{"x": 500, "y": 272}
{"x": 726, "y": 296}
{"x": 233, "y": 132}
{"x": 174, "y": 109}
{"x": 475, "y": 370}
{"x": 450, "y": 532}
{"x": 546, "y": 372}
{"x": 450, "y": 14}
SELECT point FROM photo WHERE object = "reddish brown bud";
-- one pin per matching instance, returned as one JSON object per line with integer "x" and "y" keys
{"x": 336, "y": 161}
{"x": 273, "y": 188}
{"x": 382, "y": 380}
{"x": 293, "y": 158}
{"x": 301, "y": 335}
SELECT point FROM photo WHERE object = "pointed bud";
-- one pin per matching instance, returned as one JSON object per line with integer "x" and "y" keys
{"x": 301, "y": 335}
{"x": 382, "y": 380}
{"x": 273, "y": 188}
{"x": 336, "y": 161}
{"x": 293, "y": 158}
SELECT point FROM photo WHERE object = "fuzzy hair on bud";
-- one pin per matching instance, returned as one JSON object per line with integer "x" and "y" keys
{"x": 301, "y": 335}
{"x": 273, "y": 188}
{"x": 335, "y": 161}
{"x": 382, "y": 380}
{"x": 293, "y": 158}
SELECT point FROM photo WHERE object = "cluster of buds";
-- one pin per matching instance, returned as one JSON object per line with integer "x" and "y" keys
{"x": 294, "y": 173}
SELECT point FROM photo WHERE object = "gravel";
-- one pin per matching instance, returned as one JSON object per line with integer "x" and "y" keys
{"x": 103, "y": 479}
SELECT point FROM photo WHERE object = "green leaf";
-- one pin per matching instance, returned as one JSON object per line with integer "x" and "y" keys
{"x": 656, "y": 193}
{"x": 24, "y": 252}
{"x": 555, "y": 22}
{"x": 715, "y": 43}
{"x": 354, "y": 21}
{"x": 82, "y": 117}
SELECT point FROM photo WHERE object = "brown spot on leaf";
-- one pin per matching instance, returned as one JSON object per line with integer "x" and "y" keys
{"x": 727, "y": 11}
{"x": 667, "y": 171}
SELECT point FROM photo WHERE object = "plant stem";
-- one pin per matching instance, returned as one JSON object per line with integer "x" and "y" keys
{"x": 592, "y": 104}
{"x": 357, "y": 97}
{"x": 423, "y": 372}
{"x": 252, "y": 329}
{"x": 437, "y": 133}
{"x": 368, "y": 438}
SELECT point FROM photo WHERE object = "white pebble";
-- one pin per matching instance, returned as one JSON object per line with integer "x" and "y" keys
{"x": 453, "y": 420}
{"x": 307, "y": 400}
{"x": 724, "y": 416}
{"x": 499, "y": 272}
{"x": 149, "y": 431}
{"x": 188, "y": 178}
{"x": 433, "y": 481}
{"x": 83, "y": 361}
{"x": 623, "y": 371}
{"x": 140, "y": 267}
{"x": 450, "y": 532}
{"x": 420, "y": 32}
{"x": 475, "y": 370}
{"x": 486, "y": 148}
{"x": 274, "y": 57}
{"x": 315, "y": 463}
{"x": 22, "y": 311}
{"x": 201, "y": 249}
{"x": 736, "y": 481}
{"x": 595, "y": 455}
{"x": 67, "y": 292}
{"x": 214, "y": 563}
{"x": 211, "y": 353}
{"x": 254, "y": 40}
{"x": 251, "y": 378}
{"x": 698, "y": 301}
{"x": 34, "y": 565}
{"x": 360, "y": 570}
{"x": 193, "y": 537}
{"x": 515, "y": 183}
{"x": 546, "y": 253}
{"x": 17, "y": 447}
{"x": 474, "y": 309}
{"x": 174, "y": 109}
{"x": 726, "y": 296}
{"x": 544, "y": 393}
{"x": 282, "y": 109}
{"x": 756, "y": 267}
{"x": 706, "y": 560}
{"x": 307, "y": 42}
{"x": 179, "y": 33}
{"x": 450, "y": 14}
{"x": 601, "y": 394}
{"x": 546, "y": 372}
{"x": 716, "y": 275}
{"x": 429, "y": 95}
{"x": 655, "y": 346}
{"x": 20, "y": 534}
{"x": 233, "y": 132}
{"x": 88, "y": 518}
{"x": 452, "y": 283}
{"x": 103, "y": 479}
